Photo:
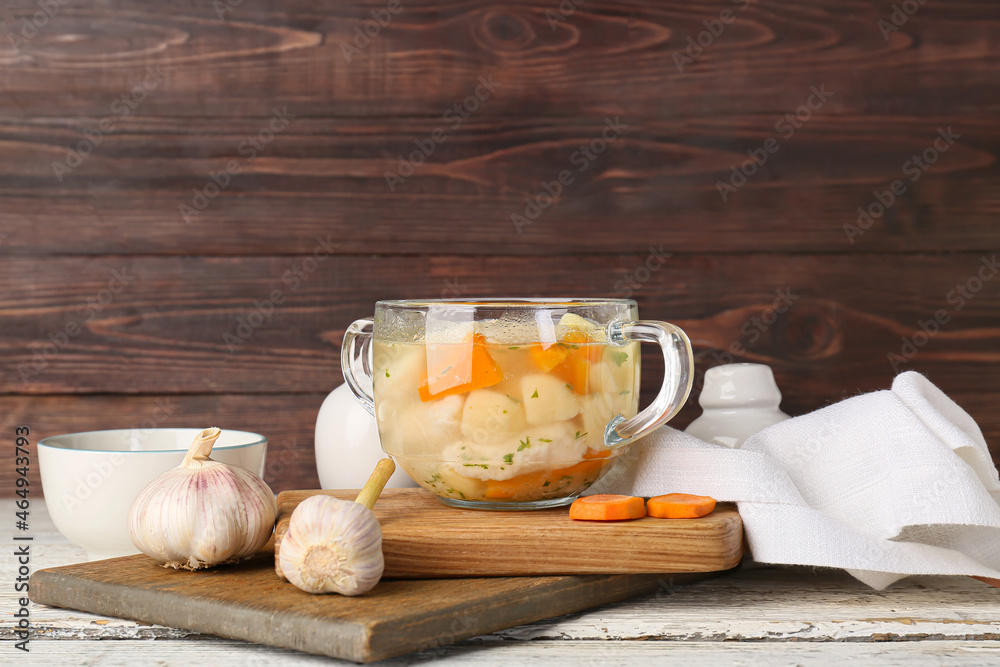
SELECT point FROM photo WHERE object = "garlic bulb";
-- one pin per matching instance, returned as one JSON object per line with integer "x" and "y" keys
{"x": 333, "y": 545}
{"x": 203, "y": 512}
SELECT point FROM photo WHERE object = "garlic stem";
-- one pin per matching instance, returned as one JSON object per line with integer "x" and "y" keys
{"x": 373, "y": 487}
{"x": 201, "y": 448}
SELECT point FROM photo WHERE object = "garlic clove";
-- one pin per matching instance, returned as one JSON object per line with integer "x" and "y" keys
{"x": 332, "y": 546}
{"x": 203, "y": 512}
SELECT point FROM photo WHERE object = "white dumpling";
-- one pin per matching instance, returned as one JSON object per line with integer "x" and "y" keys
{"x": 548, "y": 399}
{"x": 491, "y": 416}
{"x": 598, "y": 409}
{"x": 553, "y": 445}
{"x": 574, "y": 321}
{"x": 426, "y": 428}
{"x": 399, "y": 370}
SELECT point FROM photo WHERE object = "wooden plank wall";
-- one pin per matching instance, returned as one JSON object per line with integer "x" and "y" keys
{"x": 115, "y": 300}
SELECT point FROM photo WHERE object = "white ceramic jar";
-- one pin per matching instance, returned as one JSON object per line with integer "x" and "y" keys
{"x": 347, "y": 444}
{"x": 738, "y": 400}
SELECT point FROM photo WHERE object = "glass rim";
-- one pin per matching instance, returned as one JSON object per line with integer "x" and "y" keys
{"x": 506, "y": 302}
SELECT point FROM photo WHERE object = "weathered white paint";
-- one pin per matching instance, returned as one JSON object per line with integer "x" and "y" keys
{"x": 792, "y": 616}
{"x": 220, "y": 653}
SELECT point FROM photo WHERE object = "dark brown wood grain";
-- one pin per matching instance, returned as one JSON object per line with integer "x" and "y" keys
{"x": 541, "y": 542}
{"x": 607, "y": 57}
{"x": 288, "y": 421}
{"x": 210, "y": 78}
{"x": 178, "y": 325}
{"x": 656, "y": 184}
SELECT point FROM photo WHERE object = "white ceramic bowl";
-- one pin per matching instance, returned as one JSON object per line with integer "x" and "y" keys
{"x": 90, "y": 479}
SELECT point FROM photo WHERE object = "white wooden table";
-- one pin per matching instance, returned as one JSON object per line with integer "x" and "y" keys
{"x": 756, "y": 616}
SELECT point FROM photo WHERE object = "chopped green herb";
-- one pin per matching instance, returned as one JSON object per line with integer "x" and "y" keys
{"x": 535, "y": 395}
{"x": 524, "y": 443}
{"x": 514, "y": 347}
{"x": 623, "y": 392}
{"x": 505, "y": 412}
{"x": 463, "y": 446}
{"x": 387, "y": 372}
{"x": 461, "y": 494}
{"x": 565, "y": 477}
{"x": 545, "y": 440}
{"x": 446, "y": 370}
{"x": 573, "y": 347}
{"x": 619, "y": 357}
{"x": 579, "y": 435}
{"x": 512, "y": 398}
{"x": 569, "y": 386}
{"x": 508, "y": 458}
{"x": 476, "y": 465}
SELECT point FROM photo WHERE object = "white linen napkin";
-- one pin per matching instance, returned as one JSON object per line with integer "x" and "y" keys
{"x": 884, "y": 485}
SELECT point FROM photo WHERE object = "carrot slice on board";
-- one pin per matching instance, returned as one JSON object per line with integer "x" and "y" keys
{"x": 607, "y": 507}
{"x": 459, "y": 368}
{"x": 680, "y": 506}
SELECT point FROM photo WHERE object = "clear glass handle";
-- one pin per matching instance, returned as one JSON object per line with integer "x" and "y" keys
{"x": 678, "y": 373}
{"x": 356, "y": 355}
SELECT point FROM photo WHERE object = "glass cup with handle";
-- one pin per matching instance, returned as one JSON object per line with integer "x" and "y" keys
{"x": 510, "y": 403}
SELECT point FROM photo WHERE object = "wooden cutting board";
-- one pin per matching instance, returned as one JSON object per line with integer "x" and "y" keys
{"x": 422, "y": 538}
{"x": 248, "y": 602}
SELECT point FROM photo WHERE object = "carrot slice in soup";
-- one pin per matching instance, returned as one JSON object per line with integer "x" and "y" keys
{"x": 680, "y": 506}
{"x": 532, "y": 483}
{"x": 580, "y": 357}
{"x": 458, "y": 368}
{"x": 607, "y": 507}
{"x": 549, "y": 357}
